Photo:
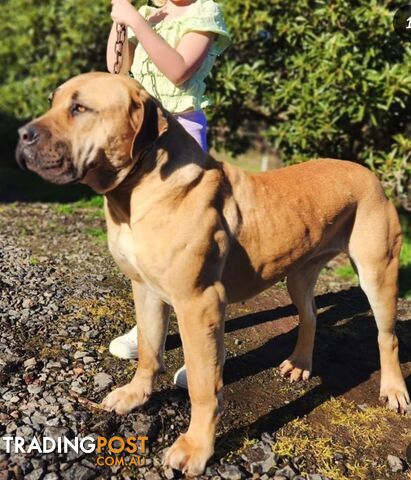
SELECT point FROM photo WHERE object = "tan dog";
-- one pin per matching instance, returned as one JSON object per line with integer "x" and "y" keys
{"x": 195, "y": 234}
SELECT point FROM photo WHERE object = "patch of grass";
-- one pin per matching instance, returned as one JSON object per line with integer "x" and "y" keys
{"x": 93, "y": 205}
{"x": 96, "y": 201}
{"x": 346, "y": 272}
{"x": 98, "y": 233}
{"x": 33, "y": 260}
{"x": 238, "y": 445}
{"x": 343, "y": 431}
{"x": 365, "y": 427}
{"x": 64, "y": 208}
{"x": 106, "y": 308}
{"x": 56, "y": 228}
{"x": 51, "y": 353}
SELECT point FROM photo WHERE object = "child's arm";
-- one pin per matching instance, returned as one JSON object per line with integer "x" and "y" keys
{"x": 177, "y": 64}
{"x": 128, "y": 52}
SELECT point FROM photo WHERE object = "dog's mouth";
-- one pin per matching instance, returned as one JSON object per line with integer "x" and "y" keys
{"x": 51, "y": 158}
{"x": 52, "y": 163}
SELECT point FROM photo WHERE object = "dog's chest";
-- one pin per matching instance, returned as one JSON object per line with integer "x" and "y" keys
{"x": 122, "y": 247}
{"x": 133, "y": 259}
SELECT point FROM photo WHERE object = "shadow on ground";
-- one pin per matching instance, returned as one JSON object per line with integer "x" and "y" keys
{"x": 345, "y": 357}
{"x": 20, "y": 186}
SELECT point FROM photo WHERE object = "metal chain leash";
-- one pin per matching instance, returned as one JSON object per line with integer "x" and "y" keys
{"x": 118, "y": 46}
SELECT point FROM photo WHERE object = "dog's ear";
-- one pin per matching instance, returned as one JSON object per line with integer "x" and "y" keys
{"x": 148, "y": 119}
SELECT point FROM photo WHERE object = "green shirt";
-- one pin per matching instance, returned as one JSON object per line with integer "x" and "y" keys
{"x": 201, "y": 16}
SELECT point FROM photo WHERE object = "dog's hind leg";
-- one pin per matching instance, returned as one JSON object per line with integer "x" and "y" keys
{"x": 300, "y": 286}
{"x": 374, "y": 247}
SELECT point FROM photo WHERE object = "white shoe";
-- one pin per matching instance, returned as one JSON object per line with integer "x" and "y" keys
{"x": 125, "y": 346}
{"x": 180, "y": 377}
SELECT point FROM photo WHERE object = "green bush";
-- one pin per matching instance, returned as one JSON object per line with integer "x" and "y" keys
{"x": 319, "y": 78}
{"x": 312, "y": 78}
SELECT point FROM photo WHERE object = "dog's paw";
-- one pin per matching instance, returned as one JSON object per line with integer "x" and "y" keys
{"x": 188, "y": 456}
{"x": 396, "y": 398}
{"x": 296, "y": 369}
{"x": 124, "y": 399}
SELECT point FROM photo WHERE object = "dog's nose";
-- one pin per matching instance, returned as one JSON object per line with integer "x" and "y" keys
{"x": 28, "y": 135}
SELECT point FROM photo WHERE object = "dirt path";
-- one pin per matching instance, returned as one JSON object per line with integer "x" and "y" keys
{"x": 331, "y": 425}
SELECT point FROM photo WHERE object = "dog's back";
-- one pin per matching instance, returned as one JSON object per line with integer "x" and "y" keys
{"x": 279, "y": 220}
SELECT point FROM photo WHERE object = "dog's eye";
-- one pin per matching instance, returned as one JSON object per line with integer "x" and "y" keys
{"x": 76, "y": 109}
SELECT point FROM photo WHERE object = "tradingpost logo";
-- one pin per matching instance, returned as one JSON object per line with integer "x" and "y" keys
{"x": 111, "y": 451}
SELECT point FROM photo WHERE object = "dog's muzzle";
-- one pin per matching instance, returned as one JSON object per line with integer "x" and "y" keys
{"x": 38, "y": 152}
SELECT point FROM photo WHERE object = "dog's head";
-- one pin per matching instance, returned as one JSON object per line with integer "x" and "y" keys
{"x": 97, "y": 127}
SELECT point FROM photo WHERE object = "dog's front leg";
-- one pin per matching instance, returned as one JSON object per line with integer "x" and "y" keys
{"x": 201, "y": 325}
{"x": 152, "y": 322}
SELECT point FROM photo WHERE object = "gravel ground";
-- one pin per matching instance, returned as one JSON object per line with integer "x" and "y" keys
{"x": 59, "y": 292}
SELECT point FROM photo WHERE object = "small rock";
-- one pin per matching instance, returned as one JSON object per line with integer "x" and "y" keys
{"x": 53, "y": 365}
{"x": 395, "y": 464}
{"x": 11, "y": 427}
{"x": 77, "y": 472}
{"x": 103, "y": 380}
{"x": 87, "y": 463}
{"x": 77, "y": 389}
{"x": 31, "y": 362}
{"x": 27, "y": 303}
{"x": 39, "y": 418}
{"x": 29, "y": 378}
{"x": 35, "y": 389}
{"x": 34, "y": 475}
{"x": 38, "y": 464}
{"x": 230, "y": 472}
{"x": 24, "y": 431}
{"x": 168, "y": 473}
{"x": 51, "y": 476}
{"x": 56, "y": 432}
{"x": 88, "y": 359}
{"x": 72, "y": 455}
{"x": 142, "y": 425}
{"x": 267, "y": 438}
{"x": 287, "y": 472}
{"x": 210, "y": 471}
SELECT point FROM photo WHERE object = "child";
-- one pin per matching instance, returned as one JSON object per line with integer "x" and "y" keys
{"x": 170, "y": 50}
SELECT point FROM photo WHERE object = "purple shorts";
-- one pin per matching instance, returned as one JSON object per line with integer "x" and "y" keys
{"x": 195, "y": 123}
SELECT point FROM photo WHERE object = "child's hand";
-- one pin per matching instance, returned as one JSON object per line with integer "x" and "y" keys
{"x": 122, "y": 11}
